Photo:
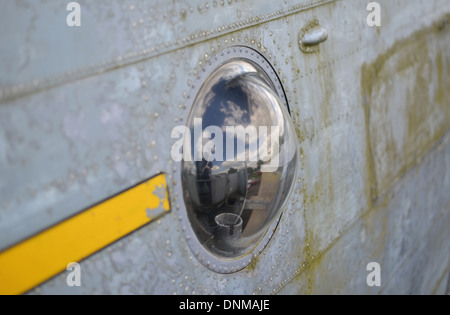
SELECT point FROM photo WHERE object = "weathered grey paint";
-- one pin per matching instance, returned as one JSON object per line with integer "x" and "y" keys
{"x": 87, "y": 112}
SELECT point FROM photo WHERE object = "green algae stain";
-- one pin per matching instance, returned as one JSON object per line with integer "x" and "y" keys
{"x": 398, "y": 102}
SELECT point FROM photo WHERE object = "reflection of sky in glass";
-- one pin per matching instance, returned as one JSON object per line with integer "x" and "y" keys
{"x": 238, "y": 95}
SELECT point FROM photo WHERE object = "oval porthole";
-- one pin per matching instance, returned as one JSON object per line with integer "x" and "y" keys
{"x": 240, "y": 158}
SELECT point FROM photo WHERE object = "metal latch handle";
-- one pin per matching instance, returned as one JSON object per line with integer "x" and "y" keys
{"x": 315, "y": 36}
{"x": 311, "y": 36}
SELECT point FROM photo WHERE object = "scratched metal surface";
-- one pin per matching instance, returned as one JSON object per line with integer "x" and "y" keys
{"x": 87, "y": 112}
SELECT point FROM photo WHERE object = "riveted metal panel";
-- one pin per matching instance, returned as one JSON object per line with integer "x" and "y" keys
{"x": 88, "y": 112}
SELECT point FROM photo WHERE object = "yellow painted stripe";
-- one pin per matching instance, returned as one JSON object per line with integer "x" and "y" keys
{"x": 35, "y": 260}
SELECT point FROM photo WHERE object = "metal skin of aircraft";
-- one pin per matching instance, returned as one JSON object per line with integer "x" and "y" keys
{"x": 93, "y": 200}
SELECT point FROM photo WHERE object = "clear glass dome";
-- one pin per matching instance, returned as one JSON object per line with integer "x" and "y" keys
{"x": 243, "y": 157}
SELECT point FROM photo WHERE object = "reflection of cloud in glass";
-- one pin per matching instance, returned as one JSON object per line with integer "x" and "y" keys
{"x": 238, "y": 95}
{"x": 233, "y": 114}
